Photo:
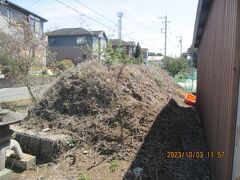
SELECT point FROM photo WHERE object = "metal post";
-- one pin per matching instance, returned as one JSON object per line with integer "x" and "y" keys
{"x": 2, "y": 158}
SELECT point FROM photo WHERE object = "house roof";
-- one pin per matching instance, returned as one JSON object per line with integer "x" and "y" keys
{"x": 144, "y": 49}
{"x": 21, "y": 9}
{"x": 119, "y": 42}
{"x": 204, "y": 7}
{"x": 97, "y": 33}
{"x": 75, "y": 31}
{"x": 130, "y": 43}
{"x": 69, "y": 32}
{"x": 116, "y": 42}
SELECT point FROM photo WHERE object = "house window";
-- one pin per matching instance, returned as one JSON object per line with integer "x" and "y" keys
{"x": 84, "y": 57}
{"x": 31, "y": 22}
{"x": 95, "y": 39}
{"x": 38, "y": 26}
{"x": 81, "y": 40}
{"x": 52, "y": 41}
{"x": 9, "y": 15}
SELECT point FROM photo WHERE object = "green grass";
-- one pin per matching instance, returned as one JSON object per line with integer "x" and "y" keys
{"x": 16, "y": 106}
{"x": 84, "y": 176}
{"x": 71, "y": 143}
{"x": 159, "y": 82}
{"x": 114, "y": 165}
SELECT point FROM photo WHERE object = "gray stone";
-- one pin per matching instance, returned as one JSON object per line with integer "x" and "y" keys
{"x": 27, "y": 162}
{"x": 44, "y": 149}
{"x": 6, "y": 174}
{"x": 34, "y": 145}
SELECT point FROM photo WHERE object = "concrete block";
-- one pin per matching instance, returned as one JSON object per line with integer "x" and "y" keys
{"x": 46, "y": 146}
{"x": 34, "y": 146}
{"x": 6, "y": 174}
{"x": 2, "y": 76}
{"x": 23, "y": 140}
{"x": 27, "y": 162}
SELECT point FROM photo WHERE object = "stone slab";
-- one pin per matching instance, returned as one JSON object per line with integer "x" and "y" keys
{"x": 27, "y": 162}
{"x": 6, "y": 174}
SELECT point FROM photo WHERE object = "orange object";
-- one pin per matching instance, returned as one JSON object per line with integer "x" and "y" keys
{"x": 190, "y": 99}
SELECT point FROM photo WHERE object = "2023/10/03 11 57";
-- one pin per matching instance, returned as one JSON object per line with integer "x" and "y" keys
{"x": 194, "y": 154}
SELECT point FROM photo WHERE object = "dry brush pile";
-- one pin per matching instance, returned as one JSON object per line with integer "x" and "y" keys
{"x": 131, "y": 112}
{"x": 103, "y": 108}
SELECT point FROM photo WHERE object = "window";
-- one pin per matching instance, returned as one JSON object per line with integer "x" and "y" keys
{"x": 81, "y": 40}
{"x": 95, "y": 39}
{"x": 31, "y": 22}
{"x": 52, "y": 41}
{"x": 38, "y": 26}
{"x": 84, "y": 57}
{"x": 9, "y": 15}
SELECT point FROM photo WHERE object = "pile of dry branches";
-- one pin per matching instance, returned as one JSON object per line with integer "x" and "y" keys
{"x": 98, "y": 106}
{"x": 131, "y": 114}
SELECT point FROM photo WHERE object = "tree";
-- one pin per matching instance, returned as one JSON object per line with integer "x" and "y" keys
{"x": 175, "y": 66}
{"x": 137, "y": 53}
{"x": 109, "y": 56}
{"x": 155, "y": 54}
{"x": 21, "y": 51}
{"x": 159, "y": 54}
{"x": 193, "y": 52}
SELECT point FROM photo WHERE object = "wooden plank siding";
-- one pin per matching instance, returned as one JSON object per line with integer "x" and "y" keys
{"x": 218, "y": 78}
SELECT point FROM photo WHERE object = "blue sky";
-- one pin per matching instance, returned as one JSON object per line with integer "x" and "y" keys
{"x": 141, "y": 20}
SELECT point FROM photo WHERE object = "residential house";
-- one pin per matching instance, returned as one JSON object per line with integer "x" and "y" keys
{"x": 217, "y": 37}
{"x": 77, "y": 44}
{"x": 128, "y": 47}
{"x": 155, "y": 59}
{"x": 10, "y": 13}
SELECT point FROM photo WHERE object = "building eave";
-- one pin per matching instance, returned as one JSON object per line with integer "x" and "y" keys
{"x": 21, "y": 9}
{"x": 204, "y": 7}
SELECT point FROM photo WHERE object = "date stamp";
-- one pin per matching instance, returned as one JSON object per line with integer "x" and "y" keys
{"x": 194, "y": 154}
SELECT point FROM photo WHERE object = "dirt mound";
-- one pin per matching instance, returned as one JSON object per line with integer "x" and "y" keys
{"x": 109, "y": 109}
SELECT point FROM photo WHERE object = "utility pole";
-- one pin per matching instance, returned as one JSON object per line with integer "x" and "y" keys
{"x": 165, "y": 31}
{"x": 180, "y": 44}
{"x": 120, "y": 15}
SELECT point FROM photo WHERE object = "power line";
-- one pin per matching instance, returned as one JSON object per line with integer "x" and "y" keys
{"x": 116, "y": 25}
{"x": 95, "y": 11}
{"x": 82, "y": 14}
{"x": 108, "y": 18}
{"x": 33, "y": 4}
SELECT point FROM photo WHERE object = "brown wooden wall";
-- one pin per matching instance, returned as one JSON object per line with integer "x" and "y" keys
{"x": 218, "y": 77}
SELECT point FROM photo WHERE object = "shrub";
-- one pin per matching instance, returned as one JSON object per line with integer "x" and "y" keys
{"x": 175, "y": 66}
{"x": 109, "y": 56}
{"x": 84, "y": 176}
{"x": 114, "y": 165}
{"x": 65, "y": 64}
